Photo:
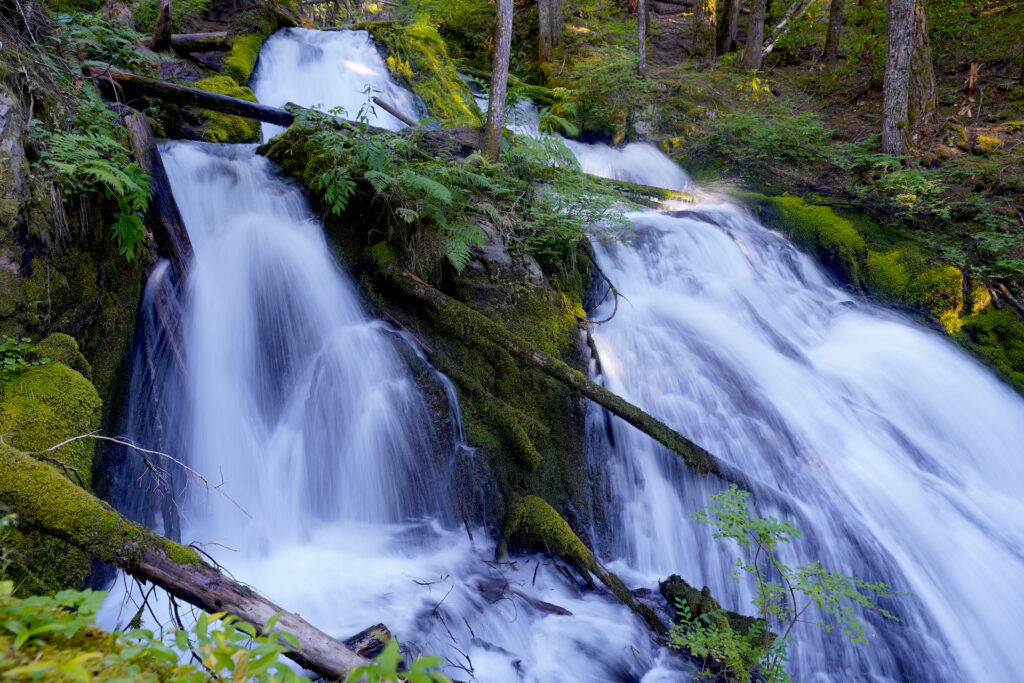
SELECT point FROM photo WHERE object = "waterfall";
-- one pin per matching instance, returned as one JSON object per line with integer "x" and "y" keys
{"x": 330, "y": 487}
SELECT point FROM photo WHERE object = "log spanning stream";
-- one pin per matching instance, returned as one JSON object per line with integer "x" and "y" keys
{"x": 895, "y": 449}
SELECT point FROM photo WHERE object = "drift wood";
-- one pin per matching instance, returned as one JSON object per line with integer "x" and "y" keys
{"x": 46, "y": 500}
{"x": 195, "y": 42}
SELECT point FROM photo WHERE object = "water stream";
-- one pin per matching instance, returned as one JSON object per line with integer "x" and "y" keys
{"x": 894, "y": 449}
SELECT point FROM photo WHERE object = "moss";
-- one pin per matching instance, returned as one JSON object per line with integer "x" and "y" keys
{"x": 997, "y": 338}
{"x": 224, "y": 127}
{"x": 240, "y": 60}
{"x": 986, "y": 144}
{"x": 418, "y": 58}
{"x": 39, "y": 408}
{"x": 534, "y": 525}
{"x": 63, "y": 349}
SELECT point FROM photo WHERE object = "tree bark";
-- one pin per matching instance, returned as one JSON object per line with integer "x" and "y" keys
{"x": 835, "y": 31}
{"x": 164, "y": 26}
{"x": 163, "y": 216}
{"x": 544, "y": 30}
{"x": 923, "y": 96}
{"x": 474, "y": 325}
{"x": 704, "y": 31}
{"x": 499, "y": 80}
{"x": 755, "y": 36}
{"x": 46, "y": 500}
{"x": 195, "y": 42}
{"x": 556, "y": 24}
{"x": 641, "y": 37}
{"x": 896, "y": 87}
{"x": 728, "y": 26}
{"x": 134, "y": 86}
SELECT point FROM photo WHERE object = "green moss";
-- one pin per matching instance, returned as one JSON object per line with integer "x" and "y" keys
{"x": 536, "y": 526}
{"x": 39, "y": 408}
{"x": 224, "y": 127}
{"x": 240, "y": 60}
{"x": 986, "y": 144}
{"x": 418, "y": 58}
{"x": 62, "y": 348}
{"x": 997, "y": 338}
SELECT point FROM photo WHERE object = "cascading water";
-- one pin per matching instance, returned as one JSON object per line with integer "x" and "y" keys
{"x": 301, "y": 405}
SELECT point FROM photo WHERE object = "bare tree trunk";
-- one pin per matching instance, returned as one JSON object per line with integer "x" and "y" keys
{"x": 164, "y": 26}
{"x": 499, "y": 80}
{"x": 46, "y": 500}
{"x": 641, "y": 37}
{"x": 896, "y": 88}
{"x": 544, "y": 29}
{"x": 728, "y": 25}
{"x": 755, "y": 36}
{"x": 704, "y": 30}
{"x": 835, "y": 31}
{"x": 556, "y": 24}
{"x": 923, "y": 97}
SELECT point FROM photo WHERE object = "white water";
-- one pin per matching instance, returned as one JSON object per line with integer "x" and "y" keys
{"x": 301, "y": 405}
{"x": 896, "y": 451}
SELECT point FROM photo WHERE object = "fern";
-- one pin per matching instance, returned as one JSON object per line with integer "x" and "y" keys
{"x": 459, "y": 240}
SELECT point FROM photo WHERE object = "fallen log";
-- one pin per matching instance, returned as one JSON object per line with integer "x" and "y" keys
{"x": 46, "y": 500}
{"x": 370, "y": 641}
{"x": 195, "y": 42}
{"x": 394, "y": 112}
{"x": 670, "y": 7}
{"x": 132, "y": 86}
{"x": 163, "y": 216}
{"x": 474, "y": 324}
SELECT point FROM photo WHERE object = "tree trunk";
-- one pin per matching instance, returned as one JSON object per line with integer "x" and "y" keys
{"x": 923, "y": 98}
{"x": 499, "y": 80}
{"x": 164, "y": 26}
{"x": 196, "y": 42}
{"x": 556, "y": 24}
{"x": 475, "y": 327}
{"x": 728, "y": 25}
{"x": 46, "y": 500}
{"x": 704, "y": 31}
{"x": 163, "y": 217}
{"x": 896, "y": 87}
{"x": 835, "y": 31}
{"x": 755, "y": 36}
{"x": 641, "y": 37}
{"x": 544, "y": 30}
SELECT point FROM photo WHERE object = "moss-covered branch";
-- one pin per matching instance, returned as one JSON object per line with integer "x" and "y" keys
{"x": 473, "y": 325}
{"x": 43, "y": 498}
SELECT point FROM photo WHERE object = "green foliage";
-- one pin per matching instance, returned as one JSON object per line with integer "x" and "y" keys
{"x": 608, "y": 90}
{"x": 186, "y": 12}
{"x": 726, "y": 652}
{"x": 16, "y": 355}
{"x": 997, "y": 337}
{"x": 384, "y": 667}
{"x": 911, "y": 193}
{"x": 783, "y": 595}
{"x": 91, "y": 158}
{"x": 90, "y": 37}
{"x": 749, "y": 141}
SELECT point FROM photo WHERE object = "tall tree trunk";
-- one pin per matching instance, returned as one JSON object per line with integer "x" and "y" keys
{"x": 556, "y": 24}
{"x": 164, "y": 26}
{"x": 755, "y": 36}
{"x": 835, "y": 31}
{"x": 923, "y": 98}
{"x": 896, "y": 87}
{"x": 544, "y": 29}
{"x": 704, "y": 33}
{"x": 641, "y": 37}
{"x": 727, "y": 26}
{"x": 499, "y": 79}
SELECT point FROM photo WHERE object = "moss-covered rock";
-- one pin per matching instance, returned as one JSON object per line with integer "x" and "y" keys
{"x": 40, "y": 407}
{"x": 240, "y": 60}
{"x": 225, "y": 127}
{"x": 418, "y": 58}
{"x": 63, "y": 349}
{"x": 997, "y": 338}
{"x": 533, "y": 525}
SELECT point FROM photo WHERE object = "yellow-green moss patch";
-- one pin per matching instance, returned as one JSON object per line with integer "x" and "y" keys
{"x": 240, "y": 60}
{"x": 62, "y": 348}
{"x": 224, "y": 127}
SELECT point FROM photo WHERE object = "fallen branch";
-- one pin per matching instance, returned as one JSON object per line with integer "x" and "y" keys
{"x": 195, "y": 42}
{"x": 782, "y": 28}
{"x": 131, "y": 86}
{"x": 45, "y": 500}
{"x": 394, "y": 112}
{"x": 473, "y": 324}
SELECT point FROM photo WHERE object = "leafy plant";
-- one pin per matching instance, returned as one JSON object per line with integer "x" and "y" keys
{"x": 90, "y": 37}
{"x": 384, "y": 667}
{"x": 16, "y": 354}
{"x": 783, "y": 595}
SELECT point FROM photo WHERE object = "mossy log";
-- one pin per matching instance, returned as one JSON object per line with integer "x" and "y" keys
{"x": 473, "y": 323}
{"x": 44, "y": 499}
{"x": 196, "y": 42}
{"x": 134, "y": 86}
{"x": 163, "y": 215}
